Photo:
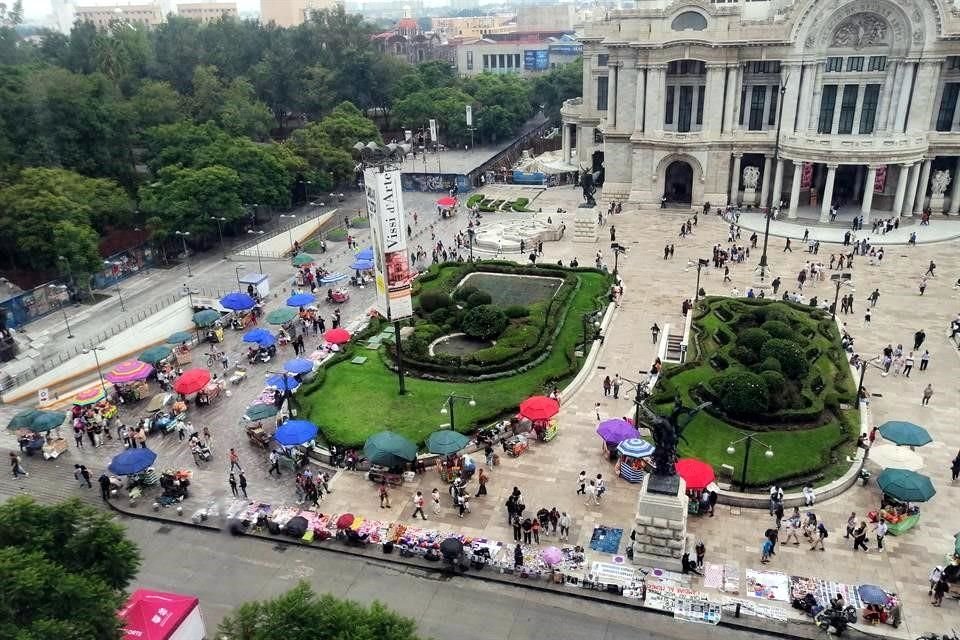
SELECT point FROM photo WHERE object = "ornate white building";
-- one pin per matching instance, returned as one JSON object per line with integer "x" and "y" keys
{"x": 685, "y": 99}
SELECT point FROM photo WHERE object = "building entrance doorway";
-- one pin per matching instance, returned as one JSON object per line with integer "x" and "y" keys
{"x": 678, "y": 183}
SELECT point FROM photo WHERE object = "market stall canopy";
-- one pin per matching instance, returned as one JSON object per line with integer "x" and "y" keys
{"x": 905, "y": 485}
{"x": 447, "y": 202}
{"x": 283, "y": 382}
{"x": 552, "y": 556}
{"x": 636, "y": 448}
{"x": 451, "y": 548}
{"x": 892, "y": 456}
{"x": 696, "y": 473}
{"x": 337, "y": 336}
{"x": 303, "y": 259}
{"x": 132, "y": 461}
{"x": 300, "y": 300}
{"x": 260, "y": 412}
{"x": 237, "y": 301}
{"x": 159, "y": 401}
{"x": 191, "y": 381}
{"x": 539, "y": 408}
{"x": 616, "y": 430}
{"x": 179, "y": 337}
{"x": 389, "y": 449}
{"x": 46, "y": 420}
{"x": 129, "y": 371}
{"x": 446, "y": 442}
{"x": 365, "y": 254}
{"x": 155, "y": 615}
{"x": 282, "y": 315}
{"x": 905, "y": 433}
{"x": 261, "y": 337}
{"x": 22, "y": 420}
{"x": 294, "y": 432}
{"x": 206, "y": 317}
{"x": 362, "y": 265}
{"x": 331, "y": 278}
{"x": 153, "y": 355}
{"x": 90, "y": 395}
{"x": 298, "y": 366}
{"x": 872, "y": 594}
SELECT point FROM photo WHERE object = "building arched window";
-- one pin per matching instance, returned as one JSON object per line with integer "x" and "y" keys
{"x": 689, "y": 21}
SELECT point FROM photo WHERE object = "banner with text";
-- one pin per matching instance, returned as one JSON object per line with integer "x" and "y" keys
{"x": 388, "y": 231}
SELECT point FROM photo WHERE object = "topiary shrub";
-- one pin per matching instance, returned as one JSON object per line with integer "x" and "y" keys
{"x": 776, "y": 311}
{"x": 771, "y": 364}
{"x": 744, "y": 355}
{"x": 742, "y": 393}
{"x": 753, "y": 340}
{"x": 464, "y": 292}
{"x": 517, "y": 311}
{"x": 778, "y": 329}
{"x": 484, "y": 322}
{"x": 793, "y": 363}
{"x": 440, "y": 316}
{"x": 775, "y": 382}
{"x": 430, "y": 301}
{"x": 478, "y": 298}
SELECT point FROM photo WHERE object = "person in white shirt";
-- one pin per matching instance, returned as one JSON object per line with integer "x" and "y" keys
{"x": 881, "y": 530}
{"x": 808, "y": 495}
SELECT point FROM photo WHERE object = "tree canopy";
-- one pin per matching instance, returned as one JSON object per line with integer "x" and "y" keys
{"x": 63, "y": 570}
{"x": 300, "y": 614}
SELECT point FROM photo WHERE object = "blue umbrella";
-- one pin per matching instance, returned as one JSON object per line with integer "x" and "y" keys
{"x": 872, "y": 594}
{"x": 237, "y": 301}
{"x": 636, "y": 448}
{"x": 298, "y": 366}
{"x": 278, "y": 381}
{"x": 259, "y": 336}
{"x": 179, "y": 336}
{"x": 330, "y": 278}
{"x": 300, "y": 300}
{"x": 362, "y": 265}
{"x": 365, "y": 254}
{"x": 294, "y": 432}
{"x": 132, "y": 461}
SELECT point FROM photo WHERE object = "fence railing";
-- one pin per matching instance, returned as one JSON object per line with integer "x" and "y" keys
{"x": 508, "y": 156}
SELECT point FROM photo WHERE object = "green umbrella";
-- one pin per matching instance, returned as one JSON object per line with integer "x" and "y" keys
{"x": 446, "y": 442}
{"x": 905, "y": 433}
{"x": 389, "y": 449}
{"x": 281, "y": 316}
{"x": 47, "y": 420}
{"x": 907, "y": 486}
{"x": 153, "y": 355}
{"x": 206, "y": 317}
{"x": 260, "y": 412}
{"x": 22, "y": 420}
{"x": 302, "y": 258}
{"x": 179, "y": 337}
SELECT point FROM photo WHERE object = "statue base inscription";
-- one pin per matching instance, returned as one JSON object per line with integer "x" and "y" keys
{"x": 938, "y": 204}
{"x": 750, "y": 196}
{"x": 661, "y": 525}
{"x": 585, "y": 225}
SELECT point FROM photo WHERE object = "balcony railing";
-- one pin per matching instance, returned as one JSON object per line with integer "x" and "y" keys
{"x": 840, "y": 148}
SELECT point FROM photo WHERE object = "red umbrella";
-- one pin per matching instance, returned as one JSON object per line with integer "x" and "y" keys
{"x": 447, "y": 202}
{"x": 697, "y": 474}
{"x": 539, "y": 408}
{"x": 191, "y": 381}
{"x": 337, "y": 336}
{"x": 344, "y": 521}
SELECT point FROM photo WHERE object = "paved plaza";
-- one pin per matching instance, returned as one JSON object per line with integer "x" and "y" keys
{"x": 654, "y": 291}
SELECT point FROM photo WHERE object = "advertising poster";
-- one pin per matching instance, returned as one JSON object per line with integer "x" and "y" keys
{"x": 536, "y": 59}
{"x": 880, "y": 181}
{"x": 384, "y": 195}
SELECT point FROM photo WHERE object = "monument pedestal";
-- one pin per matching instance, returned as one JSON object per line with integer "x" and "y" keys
{"x": 661, "y": 523}
{"x": 585, "y": 224}
{"x": 937, "y": 204}
{"x": 750, "y": 196}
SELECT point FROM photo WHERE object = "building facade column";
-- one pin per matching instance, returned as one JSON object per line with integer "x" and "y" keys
{"x": 925, "y": 88}
{"x": 714, "y": 99}
{"x": 867, "y": 200}
{"x": 565, "y": 137}
{"x": 735, "y": 180}
{"x": 903, "y": 97}
{"x": 765, "y": 185}
{"x": 921, "y": 196}
{"x": 640, "y": 105}
{"x": 733, "y": 94}
{"x": 790, "y": 97}
{"x": 653, "y": 113}
{"x": 805, "y": 99}
{"x": 777, "y": 184}
{"x": 612, "y": 96}
{"x": 901, "y": 188}
{"x": 911, "y": 193}
{"x": 828, "y": 193}
{"x": 955, "y": 191}
{"x": 795, "y": 189}
{"x": 886, "y": 93}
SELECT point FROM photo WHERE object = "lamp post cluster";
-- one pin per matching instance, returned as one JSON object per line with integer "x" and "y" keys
{"x": 839, "y": 279}
{"x": 701, "y": 263}
{"x": 762, "y": 266}
{"x": 447, "y": 408}
{"x": 96, "y": 358}
{"x": 590, "y": 318}
{"x": 747, "y": 439}
{"x": 186, "y": 254}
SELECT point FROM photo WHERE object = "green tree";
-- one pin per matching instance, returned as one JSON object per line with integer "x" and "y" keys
{"x": 300, "y": 614}
{"x": 177, "y": 143}
{"x": 63, "y": 569}
{"x": 265, "y": 179}
{"x": 325, "y": 163}
{"x": 241, "y": 114}
{"x": 550, "y": 90}
{"x": 184, "y": 199}
{"x": 447, "y": 105}
{"x": 155, "y": 103}
{"x": 485, "y": 322}
{"x": 317, "y": 91}
{"x": 78, "y": 246}
{"x": 178, "y": 50}
{"x": 742, "y": 393}
{"x": 792, "y": 361}
{"x": 346, "y": 125}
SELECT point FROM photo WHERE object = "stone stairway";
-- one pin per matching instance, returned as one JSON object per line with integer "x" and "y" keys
{"x": 674, "y": 352}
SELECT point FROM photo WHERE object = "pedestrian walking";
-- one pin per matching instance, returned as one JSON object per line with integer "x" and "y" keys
{"x": 435, "y": 498}
{"x": 934, "y": 578}
{"x": 860, "y": 536}
{"x": 866, "y": 316}
{"x": 384, "y": 495}
{"x": 793, "y": 527}
{"x": 955, "y": 468}
{"x": 243, "y": 483}
{"x": 482, "y": 478}
{"x": 232, "y": 480}
{"x": 778, "y": 513}
{"x": 655, "y": 332}
{"x": 83, "y": 475}
{"x": 607, "y": 385}
{"x": 616, "y": 386}
{"x": 786, "y": 247}
{"x": 927, "y": 394}
{"x": 207, "y": 437}
{"x": 766, "y": 550}
{"x": 880, "y": 529}
{"x": 418, "y": 506}
{"x": 582, "y": 483}
{"x": 918, "y": 339}
{"x": 924, "y": 360}
{"x": 908, "y": 365}
{"x": 235, "y": 460}
{"x": 564, "y": 524}
{"x": 712, "y": 501}
{"x": 535, "y": 530}
{"x": 809, "y": 497}
{"x": 923, "y": 284}
{"x": 16, "y": 466}
{"x": 591, "y": 493}
{"x": 939, "y": 589}
{"x": 274, "y": 463}
{"x": 104, "y": 482}
{"x": 851, "y": 524}
{"x": 873, "y": 297}
{"x": 600, "y": 488}
{"x": 821, "y": 535}
{"x": 930, "y": 269}
{"x": 517, "y": 527}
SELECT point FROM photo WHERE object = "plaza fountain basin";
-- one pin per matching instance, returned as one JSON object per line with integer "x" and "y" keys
{"x": 458, "y": 344}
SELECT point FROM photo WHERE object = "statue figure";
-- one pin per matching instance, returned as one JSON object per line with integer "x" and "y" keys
{"x": 939, "y": 183}
{"x": 586, "y": 183}
{"x": 667, "y": 433}
{"x": 751, "y": 176}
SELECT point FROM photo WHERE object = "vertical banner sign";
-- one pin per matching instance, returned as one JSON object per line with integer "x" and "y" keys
{"x": 880, "y": 182}
{"x": 806, "y": 175}
{"x": 433, "y": 132}
{"x": 388, "y": 231}
{"x": 469, "y": 115}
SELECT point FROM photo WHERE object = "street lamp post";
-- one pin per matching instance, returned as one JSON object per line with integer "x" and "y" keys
{"x": 289, "y": 229}
{"x": 220, "y": 220}
{"x": 237, "y": 270}
{"x": 863, "y": 372}
{"x": 66, "y": 320}
{"x": 447, "y": 408}
{"x": 96, "y": 358}
{"x": 839, "y": 279}
{"x": 120, "y": 296}
{"x": 617, "y": 250}
{"x": 586, "y": 318}
{"x": 186, "y": 255}
{"x": 748, "y": 438}
{"x": 257, "y": 245}
{"x": 776, "y": 158}
{"x": 701, "y": 263}
{"x": 640, "y": 393}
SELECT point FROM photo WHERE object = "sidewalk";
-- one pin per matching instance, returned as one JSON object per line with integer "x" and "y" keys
{"x": 940, "y": 229}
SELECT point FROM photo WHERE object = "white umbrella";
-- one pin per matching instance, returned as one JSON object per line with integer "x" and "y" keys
{"x": 891, "y": 456}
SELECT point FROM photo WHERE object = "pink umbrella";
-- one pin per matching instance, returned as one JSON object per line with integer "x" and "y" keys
{"x": 447, "y": 202}
{"x": 91, "y": 395}
{"x": 129, "y": 371}
{"x": 552, "y": 556}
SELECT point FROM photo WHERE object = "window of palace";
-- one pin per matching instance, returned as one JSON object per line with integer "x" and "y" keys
{"x": 602, "y": 86}
{"x": 760, "y": 95}
{"x": 685, "y": 92}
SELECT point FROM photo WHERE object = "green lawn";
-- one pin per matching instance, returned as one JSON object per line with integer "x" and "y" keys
{"x": 356, "y": 401}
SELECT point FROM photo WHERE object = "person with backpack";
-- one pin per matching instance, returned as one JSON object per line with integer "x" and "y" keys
{"x": 821, "y": 536}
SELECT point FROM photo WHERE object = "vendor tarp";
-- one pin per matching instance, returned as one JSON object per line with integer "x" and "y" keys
{"x": 155, "y": 615}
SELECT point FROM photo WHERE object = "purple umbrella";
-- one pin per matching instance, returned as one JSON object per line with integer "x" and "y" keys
{"x": 552, "y": 556}
{"x": 616, "y": 430}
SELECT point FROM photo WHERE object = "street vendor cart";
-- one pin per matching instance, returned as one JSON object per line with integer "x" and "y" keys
{"x": 133, "y": 391}
{"x": 182, "y": 354}
{"x": 258, "y": 436}
{"x": 211, "y": 393}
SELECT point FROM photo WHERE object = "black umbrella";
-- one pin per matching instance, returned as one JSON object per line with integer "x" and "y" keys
{"x": 297, "y": 526}
{"x": 451, "y": 548}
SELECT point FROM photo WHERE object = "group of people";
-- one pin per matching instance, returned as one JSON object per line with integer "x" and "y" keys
{"x": 528, "y": 528}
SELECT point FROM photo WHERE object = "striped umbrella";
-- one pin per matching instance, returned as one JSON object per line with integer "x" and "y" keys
{"x": 129, "y": 371}
{"x": 636, "y": 448}
{"x": 330, "y": 278}
{"x": 91, "y": 395}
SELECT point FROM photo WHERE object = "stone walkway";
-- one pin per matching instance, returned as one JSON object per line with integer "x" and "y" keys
{"x": 655, "y": 289}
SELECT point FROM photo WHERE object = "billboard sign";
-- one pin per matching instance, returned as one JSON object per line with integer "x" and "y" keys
{"x": 433, "y": 131}
{"x": 536, "y": 59}
{"x": 567, "y": 49}
{"x": 469, "y": 115}
{"x": 388, "y": 230}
